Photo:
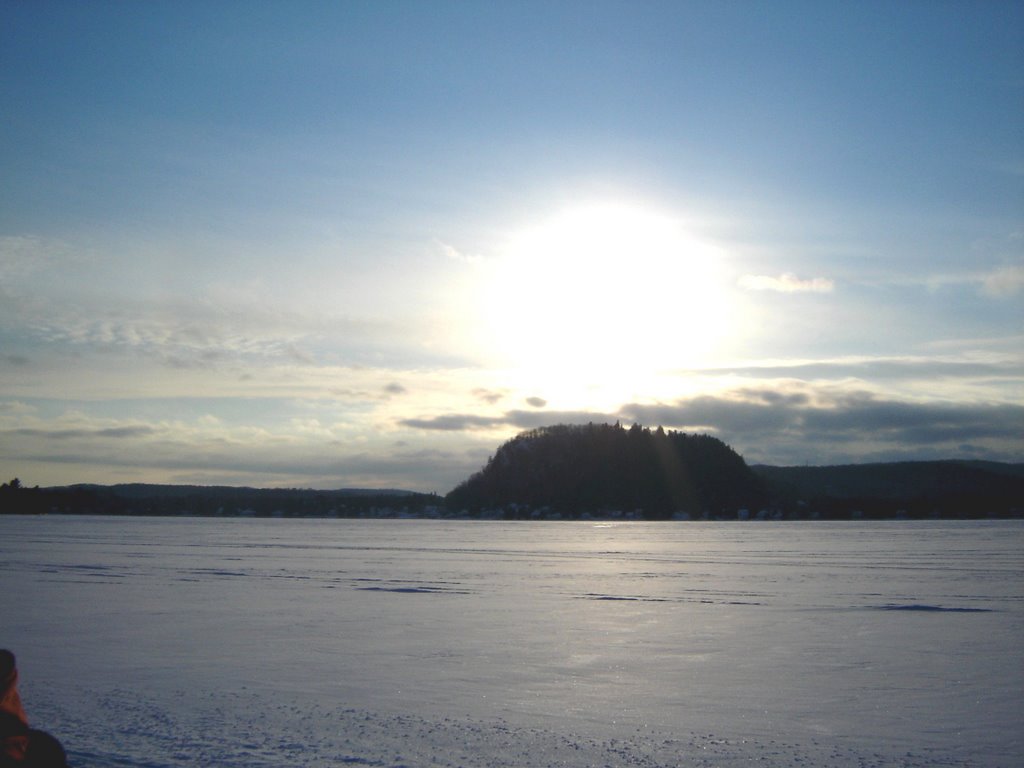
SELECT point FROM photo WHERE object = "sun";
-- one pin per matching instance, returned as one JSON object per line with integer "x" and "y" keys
{"x": 602, "y": 294}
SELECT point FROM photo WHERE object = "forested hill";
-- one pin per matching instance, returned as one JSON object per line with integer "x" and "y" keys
{"x": 602, "y": 467}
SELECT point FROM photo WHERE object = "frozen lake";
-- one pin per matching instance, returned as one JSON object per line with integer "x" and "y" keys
{"x": 244, "y": 642}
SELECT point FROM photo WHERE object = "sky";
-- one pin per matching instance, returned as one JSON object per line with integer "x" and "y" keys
{"x": 362, "y": 244}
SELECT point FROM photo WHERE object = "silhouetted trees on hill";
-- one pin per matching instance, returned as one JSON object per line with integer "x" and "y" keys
{"x": 603, "y": 467}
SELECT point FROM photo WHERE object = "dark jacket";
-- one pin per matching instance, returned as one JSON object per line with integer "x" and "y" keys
{"x": 21, "y": 746}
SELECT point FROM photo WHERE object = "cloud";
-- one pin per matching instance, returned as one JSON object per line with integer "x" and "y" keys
{"x": 455, "y": 422}
{"x": 298, "y": 355}
{"x": 536, "y": 402}
{"x": 183, "y": 334}
{"x": 455, "y": 254}
{"x": 745, "y": 414}
{"x": 23, "y": 256}
{"x": 833, "y": 425}
{"x": 394, "y": 388}
{"x": 188, "y": 332}
{"x": 535, "y": 419}
{"x": 217, "y": 463}
{"x": 785, "y": 423}
{"x": 305, "y": 451}
{"x": 349, "y": 393}
{"x": 786, "y": 283}
{"x": 798, "y": 423}
{"x": 514, "y": 418}
{"x": 877, "y": 368}
{"x": 73, "y": 434}
{"x": 1003, "y": 283}
{"x": 16, "y": 408}
{"x": 488, "y": 396}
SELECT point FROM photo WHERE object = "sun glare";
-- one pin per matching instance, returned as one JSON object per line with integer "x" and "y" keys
{"x": 604, "y": 294}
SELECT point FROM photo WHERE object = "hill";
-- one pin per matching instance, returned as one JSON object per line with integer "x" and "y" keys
{"x": 148, "y": 499}
{"x": 598, "y": 468}
{"x": 951, "y": 488}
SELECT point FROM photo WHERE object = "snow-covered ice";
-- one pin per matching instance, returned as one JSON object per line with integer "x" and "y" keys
{"x": 251, "y": 642}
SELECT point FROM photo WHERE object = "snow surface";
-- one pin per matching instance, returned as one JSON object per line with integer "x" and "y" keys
{"x": 250, "y": 642}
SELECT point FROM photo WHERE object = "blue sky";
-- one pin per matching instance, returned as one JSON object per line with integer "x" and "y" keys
{"x": 362, "y": 244}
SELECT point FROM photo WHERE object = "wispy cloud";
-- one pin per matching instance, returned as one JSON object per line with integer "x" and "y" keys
{"x": 15, "y": 408}
{"x": 187, "y": 333}
{"x": 455, "y": 254}
{"x": 456, "y": 422}
{"x": 489, "y": 396}
{"x": 518, "y": 419}
{"x": 882, "y": 368}
{"x": 1004, "y": 282}
{"x": 786, "y": 283}
{"x": 140, "y": 430}
{"x": 296, "y": 353}
{"x": 23, "y": 256}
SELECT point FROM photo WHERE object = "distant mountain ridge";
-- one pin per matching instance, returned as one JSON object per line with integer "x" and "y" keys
{"x": 215, "y": 501}
{"x": 595, "y": 470}
{"x": 151, "y": 490}
{"x": 946, "y": 488}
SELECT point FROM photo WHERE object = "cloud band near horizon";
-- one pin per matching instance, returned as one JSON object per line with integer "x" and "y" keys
{"x": 818, "y": 427}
